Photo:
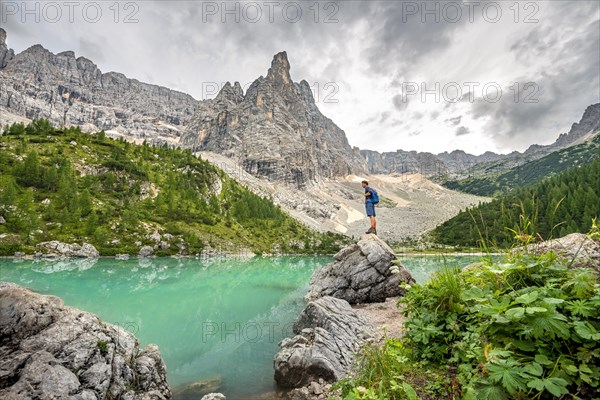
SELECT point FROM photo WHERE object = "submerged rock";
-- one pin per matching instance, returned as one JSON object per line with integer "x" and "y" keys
{"x": 52, "y": 351}
{"x": 576, "y": 248}
{"x": 194, "y": 390}
{"x": 69, "y": 250}
{"x": 214, "y": 396}
{"x": 362, "y": 273}
{"x": 328, "y": 333}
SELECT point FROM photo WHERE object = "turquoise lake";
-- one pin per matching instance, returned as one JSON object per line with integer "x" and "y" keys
{"x": 215, "y": 319}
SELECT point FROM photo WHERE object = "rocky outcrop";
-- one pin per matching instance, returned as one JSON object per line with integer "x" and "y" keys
{"x": 275, "y": 130}
{"x": 328, "y": 333}
{"x": 68, "y": 250}
{"x": 362, "y": 273}
{"x": 146, "y": 251}
{"x": 73, "y": 91}
{"x": 51, "y": 351}
{"x": 578, "y": 250}
{"x": 6, "y": 54}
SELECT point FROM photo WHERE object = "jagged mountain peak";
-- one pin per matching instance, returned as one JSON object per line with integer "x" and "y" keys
{"x": 2, "y": 37}
{"x": 279, "y": 73}
{"x": 233, "y": 93}
{"x": 274, "y": 131}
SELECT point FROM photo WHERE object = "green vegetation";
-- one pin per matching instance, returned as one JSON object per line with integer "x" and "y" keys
{"x": 103, "y": 347}
{"x": 572, "y": 197}
{"x": 73, "y": 187}
{"x": 492, "y": 183}
{"x": 524, "y": 328}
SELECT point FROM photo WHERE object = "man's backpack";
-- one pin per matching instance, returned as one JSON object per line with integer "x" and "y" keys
{"x": 374, "y": 196}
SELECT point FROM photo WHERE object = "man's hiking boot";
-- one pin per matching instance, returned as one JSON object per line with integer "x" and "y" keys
{"x": 372, "y": 230}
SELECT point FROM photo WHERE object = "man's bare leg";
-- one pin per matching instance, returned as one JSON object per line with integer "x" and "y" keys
{"x": 373, "y": 223}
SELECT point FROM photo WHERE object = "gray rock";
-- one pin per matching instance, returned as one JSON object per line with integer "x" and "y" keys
{"x": 146, "y": 251}
{"x": 275, "y": 130}
{"x": 66, "y": 250}
{"x": 362, "y": 273}
{"x": 214, "y": 396}
{"x": 197, "y": 389}
{"x": 52, "y": 351}
{"x": 576, "y": 249}
{"x": 2, "y": 220}
{"x": 122, "y": 257}
{"x": 6, "y": 54}
{"x": 328, "y": 333}
{"x": 19, "y": 254}
{"x": 155, "y": 237}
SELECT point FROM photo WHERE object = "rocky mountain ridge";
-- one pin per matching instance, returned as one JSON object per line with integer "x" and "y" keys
{"x": 69, "y": 90}
{"x": 275, "y": 130}
{"x": 458, "y": 163}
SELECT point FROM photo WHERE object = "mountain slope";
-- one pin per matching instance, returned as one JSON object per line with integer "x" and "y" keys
{"x": 459, "y": 165}
{"x": 274, "y": 130}
{"x": 74, "y": 187}
{"x": 72, "y": 91}
{"x": 554, "y": 207}
{"x": 531, "y": 172}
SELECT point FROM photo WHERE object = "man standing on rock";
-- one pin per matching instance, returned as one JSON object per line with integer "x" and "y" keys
{"x": 371, "y": 198}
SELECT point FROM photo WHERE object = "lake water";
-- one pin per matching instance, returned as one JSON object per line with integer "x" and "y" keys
{"x": 217, "y": 320}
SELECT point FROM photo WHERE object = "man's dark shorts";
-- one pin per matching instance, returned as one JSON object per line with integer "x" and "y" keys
{"x": 370, "y": 209}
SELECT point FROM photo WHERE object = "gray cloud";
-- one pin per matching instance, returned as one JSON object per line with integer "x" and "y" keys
{"x": 399, "y": 103}
{"x": 454, "y": 120}
{"x": 368, "y": 53}
{"x": 557, "y": 96}
{"x": 462, "y": 130}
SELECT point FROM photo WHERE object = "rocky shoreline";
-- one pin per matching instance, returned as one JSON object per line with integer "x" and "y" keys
{"x": 52, "y": 351}
{"x": 329, "y": 331}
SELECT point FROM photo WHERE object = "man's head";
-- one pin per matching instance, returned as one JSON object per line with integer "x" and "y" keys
{"x": 364, "y": 184}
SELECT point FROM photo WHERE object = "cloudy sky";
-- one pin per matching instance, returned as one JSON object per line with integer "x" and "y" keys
{"x": 413, "y": 75}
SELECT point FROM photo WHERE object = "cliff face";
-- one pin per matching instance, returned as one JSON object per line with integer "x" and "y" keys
{"x": 274, "y": 130}
{"x": 73, "y": 91}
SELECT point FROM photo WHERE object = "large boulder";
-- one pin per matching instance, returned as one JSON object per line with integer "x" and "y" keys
{"x": 328, "y": 334}
{"x": 69, "y": 250}
{"x": 362, "y": 273}
{"x": 52, "y": 351}
{"x": 576, "y": 249}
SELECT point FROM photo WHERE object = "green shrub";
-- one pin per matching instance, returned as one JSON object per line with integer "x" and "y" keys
{"x": 526, "y": 328}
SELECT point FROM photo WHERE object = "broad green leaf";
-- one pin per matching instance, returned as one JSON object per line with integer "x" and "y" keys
{"x": 515, "y": 313}
{"x": 584, "y": 368}
{"x": 534, "y": 369}
{"x": 537, "y": 384}
{"x": 586, "y": 330}
{"x": 472, "y": 293}
{"x": 490, "y": 392}
{"x": 533, "y": 310}
{"x": 552, "y": 300}
{"x": 542, "y": 359}
{"x": 556, "y": 386}
{"x": 549, "y": 325}
{"x": 508, "y": 374}
{"x": 410, "y": 392}
{"x": 527, "y": 298}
